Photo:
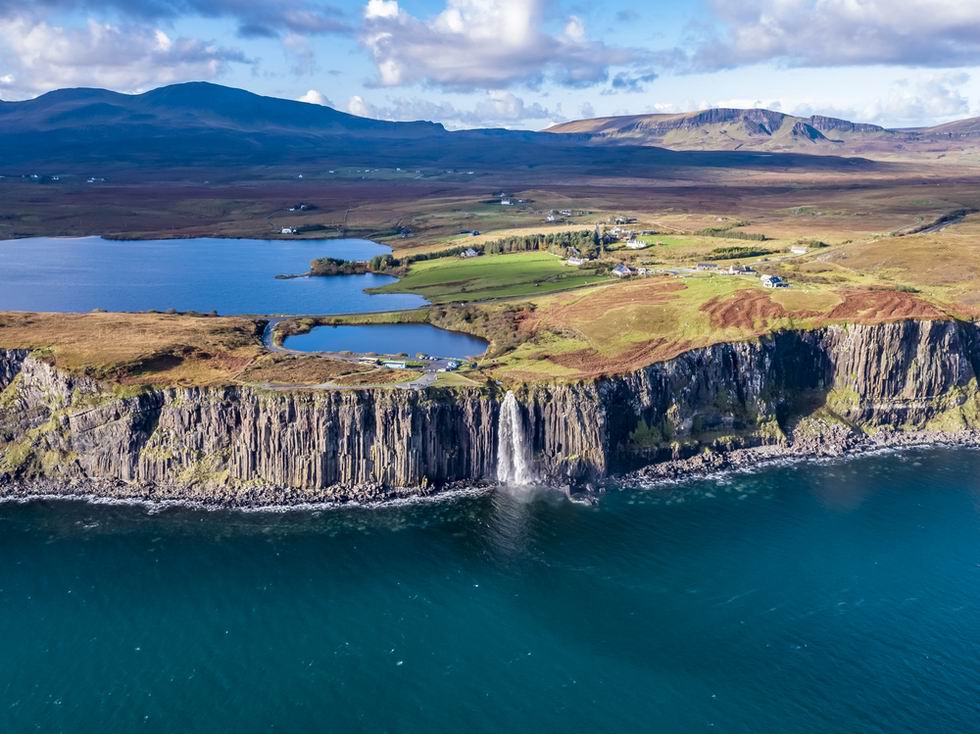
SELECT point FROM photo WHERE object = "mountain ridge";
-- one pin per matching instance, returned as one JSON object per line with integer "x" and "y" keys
{"x": 725, "y": 128}
{"x": 205, "y": 125}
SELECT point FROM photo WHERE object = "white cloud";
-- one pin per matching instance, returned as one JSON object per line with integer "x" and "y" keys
{"x": 124, "y": 58}
{"x": 919, "y": 101}
{"x": 314, "y": 96}
{"x": 936, "y": 33}
{"x": 575, "y": 29}
{"x": 357, "y": 106}
{"x": 497, "y": 108}
{"x": 381, "y": 9}
{"x": 488, "y": 44}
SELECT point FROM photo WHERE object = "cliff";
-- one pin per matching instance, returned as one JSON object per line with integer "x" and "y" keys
{"x": 241, "y": 445}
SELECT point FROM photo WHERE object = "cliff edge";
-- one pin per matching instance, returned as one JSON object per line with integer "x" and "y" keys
{"x": 65, "y": 434}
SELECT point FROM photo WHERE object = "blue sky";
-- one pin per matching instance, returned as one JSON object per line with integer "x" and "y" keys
{"x": 516, "y": 63}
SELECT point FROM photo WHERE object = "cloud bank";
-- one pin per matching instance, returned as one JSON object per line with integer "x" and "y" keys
{"x": 827, "y": 33}
{"x": 41, "y": 56}
{"x": 485, "y": 44}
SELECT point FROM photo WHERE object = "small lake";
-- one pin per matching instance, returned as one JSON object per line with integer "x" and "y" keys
{"x": 388, "y": 339}
{"x": 200, "y": 274}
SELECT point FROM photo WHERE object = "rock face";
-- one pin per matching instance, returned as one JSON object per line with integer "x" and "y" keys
{"x": 241, "y": 445}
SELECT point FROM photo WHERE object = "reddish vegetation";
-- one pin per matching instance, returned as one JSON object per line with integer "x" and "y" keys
{"x": 591, "y": 363}
{"x": 567, "y": 311}
{"x": 881, "y": 305}
{"x": 745, "y": 309}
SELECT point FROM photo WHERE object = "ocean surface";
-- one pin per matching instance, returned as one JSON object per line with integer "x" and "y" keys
{"x": 388, "y": 339}
{"x": 833, "y": 597}
{"x": 201, "y": 274}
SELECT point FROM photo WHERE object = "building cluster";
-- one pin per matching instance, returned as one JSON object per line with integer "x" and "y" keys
{"x": 625, "y": 271}
{"x": 559, "y": 215}
{"x": 506, "y": 200}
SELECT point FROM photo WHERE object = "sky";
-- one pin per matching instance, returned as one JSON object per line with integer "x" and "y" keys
{"x": 516, "y": 63}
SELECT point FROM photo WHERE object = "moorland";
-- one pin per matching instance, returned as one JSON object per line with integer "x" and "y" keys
{"x": 857, "y": 239}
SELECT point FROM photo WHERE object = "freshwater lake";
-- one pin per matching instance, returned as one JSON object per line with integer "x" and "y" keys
{"x": 803, "y": 599}
{"x": 201, "y": 274}
{"x": 389, "y": 339}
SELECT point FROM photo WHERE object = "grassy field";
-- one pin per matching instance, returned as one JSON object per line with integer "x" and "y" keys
{"x": 545, "y": 320}
{"x": 454, "y": 279}
{"x": 134, "y": 350}
{"x": 151, "y": 348}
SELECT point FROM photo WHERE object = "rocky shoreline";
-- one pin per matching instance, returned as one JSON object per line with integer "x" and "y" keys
{"x": 713, "y": 463}
{"x": 159, "y": 496}
{"x": 707, "y": 465}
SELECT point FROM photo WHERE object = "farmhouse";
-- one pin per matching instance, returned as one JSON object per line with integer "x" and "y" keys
{"x": 706, "y": 266}
{"x": 622, "y": 271}
{"x": 635, "y": 244}
{"x": 774, "y": 281}
{"x": 798, "y": 250}
{"x": 287, "y": 230}
{"x": 469, "y": 252}
{"x": 740, "y": 270}
{"x": 575, "y": 260}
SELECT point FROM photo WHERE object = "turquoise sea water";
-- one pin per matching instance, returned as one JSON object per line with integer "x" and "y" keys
{"x": 807, "y": 598}
{"x": 200, "y": 274}
{"x": 389, "y": 339}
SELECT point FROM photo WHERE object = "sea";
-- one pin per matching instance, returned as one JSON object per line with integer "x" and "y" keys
{"x": 800, "y": 598}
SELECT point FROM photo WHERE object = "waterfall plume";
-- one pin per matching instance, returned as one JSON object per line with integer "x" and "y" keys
{"x": 513, "y": 452}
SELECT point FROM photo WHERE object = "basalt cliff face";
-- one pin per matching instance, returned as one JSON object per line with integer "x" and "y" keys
{"x": 245, "y": 446}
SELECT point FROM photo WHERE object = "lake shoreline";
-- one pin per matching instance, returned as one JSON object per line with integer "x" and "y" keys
{"x": 706, "y": 466}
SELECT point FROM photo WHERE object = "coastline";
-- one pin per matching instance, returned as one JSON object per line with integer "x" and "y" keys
{"x": 711, "y": 464}
{"x": 704, "y": 466}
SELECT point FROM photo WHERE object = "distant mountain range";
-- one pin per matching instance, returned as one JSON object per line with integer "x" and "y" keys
{"x": 761, "y": 129}
{"x": 202, "y": 125}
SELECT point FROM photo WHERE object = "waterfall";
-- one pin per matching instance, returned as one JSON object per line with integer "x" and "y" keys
{"x": 513, "y": 452}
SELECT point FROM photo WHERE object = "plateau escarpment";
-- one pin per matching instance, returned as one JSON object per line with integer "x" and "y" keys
{"x": 238, "y": 445}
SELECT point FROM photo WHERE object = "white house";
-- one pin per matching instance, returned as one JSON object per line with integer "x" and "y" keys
{"x": 469, "y": 252}
{"x": 706, "y": 266}
{"x": 394, "y": 364}
{"x": 576, "y": 261}
{"x": 287, "y": 230}
{"x": 798, "y": 250}
{"x": 506, "y": 202}
{"x": 774, "y": 281}
{"x": 636, "y": 244}
{"x": 740, "y": 270}
{"x": 622, "y": 271}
